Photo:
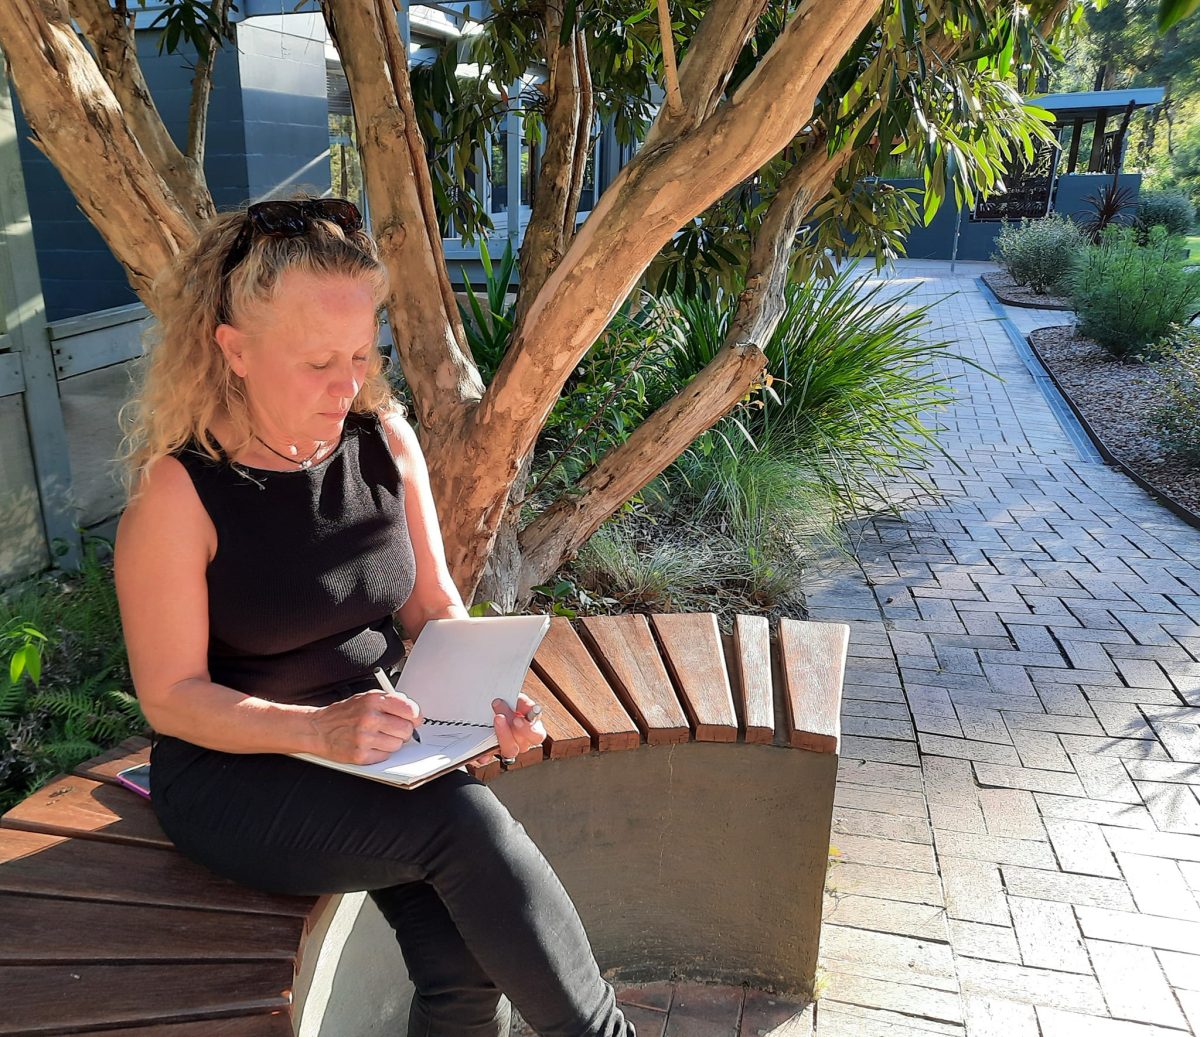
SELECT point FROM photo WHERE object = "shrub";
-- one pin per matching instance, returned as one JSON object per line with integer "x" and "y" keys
{"x": 1127, "y": 295}
{"x": 1170, "y": 209}
{"x": 1177, "y": 418}
{"x": 1038, "y": 253}
{"x": 64, "y": 688}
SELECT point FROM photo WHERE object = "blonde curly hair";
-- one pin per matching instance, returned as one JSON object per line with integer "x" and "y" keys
{"x": 185, "y": 380}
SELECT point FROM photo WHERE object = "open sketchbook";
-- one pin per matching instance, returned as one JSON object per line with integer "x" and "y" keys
{"x": 455, "y": 669}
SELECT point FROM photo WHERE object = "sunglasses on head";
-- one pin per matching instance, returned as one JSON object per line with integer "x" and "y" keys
{"x": 285, "y": 219}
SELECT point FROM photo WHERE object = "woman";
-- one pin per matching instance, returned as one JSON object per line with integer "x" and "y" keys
{"x": 280, "y": 515}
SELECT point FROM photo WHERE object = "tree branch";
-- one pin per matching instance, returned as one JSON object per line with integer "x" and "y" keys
{"x": 426, "y": 325}
{"x": 202, "y": 80}
{"x": 670, "y": 72}
{"x": 111, "y": 37}
{"x": 560, "y": 530}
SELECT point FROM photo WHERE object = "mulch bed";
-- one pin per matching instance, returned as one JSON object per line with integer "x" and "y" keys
{"x": 1007, "y": 290}
{"x": 1115, "y": 396}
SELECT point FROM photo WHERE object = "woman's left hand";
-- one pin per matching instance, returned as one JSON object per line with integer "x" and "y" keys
{"x": 514, "y": 732}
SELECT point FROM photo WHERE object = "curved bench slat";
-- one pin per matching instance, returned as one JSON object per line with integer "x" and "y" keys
{"x": 129, "y": 753}
{"x": 88, "y": 809}
{"x": 813, "y": 661}
{"x": 568, "y": 669}
{"x": 56, "y": 998}
{"x": 97, "y": 932}
{"x": 239, "y": 1026}
{"x": 751, "y": 666}
{"x": 695, "y": 657}
{"x": 59, "y": 865}
{"x": 628, "y": 655}
{"x": 565, "y": 736}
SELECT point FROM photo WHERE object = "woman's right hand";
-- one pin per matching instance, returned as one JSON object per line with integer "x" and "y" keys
{"x": 365, "y": 728}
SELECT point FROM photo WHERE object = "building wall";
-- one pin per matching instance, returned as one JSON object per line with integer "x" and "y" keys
{"x": 977, "y": 240}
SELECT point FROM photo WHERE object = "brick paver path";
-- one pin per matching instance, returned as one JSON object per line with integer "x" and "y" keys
{"x": 1017, "y": 823}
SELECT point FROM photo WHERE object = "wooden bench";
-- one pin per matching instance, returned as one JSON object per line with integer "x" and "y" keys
{"x": 701, "y": 855}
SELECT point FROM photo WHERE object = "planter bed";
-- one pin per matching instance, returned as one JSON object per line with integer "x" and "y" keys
{"x": 1112, "y": 398}
{"x": 1008, "y": 291}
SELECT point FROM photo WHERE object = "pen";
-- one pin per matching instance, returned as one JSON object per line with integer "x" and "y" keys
{"x": 381, "y": 679}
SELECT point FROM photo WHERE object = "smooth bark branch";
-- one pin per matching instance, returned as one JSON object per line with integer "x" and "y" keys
{"x": 79, "y": 125}
{"x": 583, "y": 137}
{"x": 558, "y": 532}
{"x": 670, "y": 72}
{"x": 546, "y": 236}
{"x": 427, "y": 331}
{"x": 112, "y": 41}
{"x": 650, "y": 199}
{"x": 561, "y": 529}
{"x": 708, "y": 64}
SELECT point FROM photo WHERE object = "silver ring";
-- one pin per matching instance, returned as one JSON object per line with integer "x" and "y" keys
{"x": 506, "y": 761}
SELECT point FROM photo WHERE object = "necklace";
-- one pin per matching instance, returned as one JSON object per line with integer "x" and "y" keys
{"x": 306, "y": 463}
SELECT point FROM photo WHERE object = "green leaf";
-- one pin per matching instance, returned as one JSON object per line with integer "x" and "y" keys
{"x": 1170, "y": 12}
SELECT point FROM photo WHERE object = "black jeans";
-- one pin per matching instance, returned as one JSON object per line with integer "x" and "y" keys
{"x": 478, "y": 911}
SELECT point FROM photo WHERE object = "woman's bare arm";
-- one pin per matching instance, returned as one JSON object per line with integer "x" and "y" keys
{"x": 164, "y": 543}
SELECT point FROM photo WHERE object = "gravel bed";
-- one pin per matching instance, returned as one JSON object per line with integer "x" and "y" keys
{"x": 1007, "y": 290}
{"x": 1115, "y": 396}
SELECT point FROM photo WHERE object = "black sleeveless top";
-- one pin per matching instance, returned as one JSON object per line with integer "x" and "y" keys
{"x": 309, "y": 567}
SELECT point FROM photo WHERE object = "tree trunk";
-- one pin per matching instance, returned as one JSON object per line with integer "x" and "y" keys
{"x": 80, "y": 126}
{"x": 112, "y": 41}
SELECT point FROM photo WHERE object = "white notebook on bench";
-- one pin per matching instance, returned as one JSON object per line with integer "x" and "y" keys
{"x": 455, "y": 669}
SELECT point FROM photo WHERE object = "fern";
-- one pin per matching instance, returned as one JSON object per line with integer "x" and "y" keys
{"x": 12, "y": 698}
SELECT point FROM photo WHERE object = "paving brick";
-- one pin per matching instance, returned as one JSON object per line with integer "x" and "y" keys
{"x": 839, "y": 1019}
{"x": 938, "y": 725}
{"x": 1120, "y": 693}
{"x": 952, "y": 796}
{"x": 1190, "y": 1000}
{"x": 1105, "y": 778}
{"x": 994, "y": 700}
{"x": 1098, "y": 811}
{"x": 983, "y": 725}
{"x": 888, "y": 956}
{"x": 996, "y": 1017}
{"x": 1191, "y": 874}
{"x": 654, "y": 995}
{"x": 998, "y": 849}
{"x": 889, "y": 776}
{"x": 1072, "y": 1024}
{"x": 904, "y": 998}
{"x": 973, "y": 891}
{"x": 1182, "y": 970}
{"x": 1064, "y": 700}
{"x": 923, "y": 921}
{"x": 1168, "y": 934}
{"x": 1154, "y": 844}
{"x": 1158, "y": 770}
{"x": 884, "y": 853}
{"x": 1125, "y": 748}
{"x": 906, "y": 804}
{"x": 649, "y": 1023}
{"x": 1026, "y": 778}
{"x": 1067, "y": 889}
{"x": 880, "y": 750}
{"x": 1173, "y": 807}
{"x": 1030, "y": 986}
{"x": 966, "y": 749}
{"x": 1041, "y": 750}
{"x": 891, "y": 883}
{"x": 1122, "y": 720}
{"x": 977, "y": 940}
{"x": 1071, "y": 725}
{"x": 883, "y": 710}
{"x": 1133, "y": 984}
{"x": 1158, "y": 886}
{"x": 1048, "y": 936}
{"x": 847, "y": 821}
{"x": 1080, "y": 847}
{"x": 877, "y": 727}
{"x": 1182, "y": 741}
{"x": 1012, "y": 813}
